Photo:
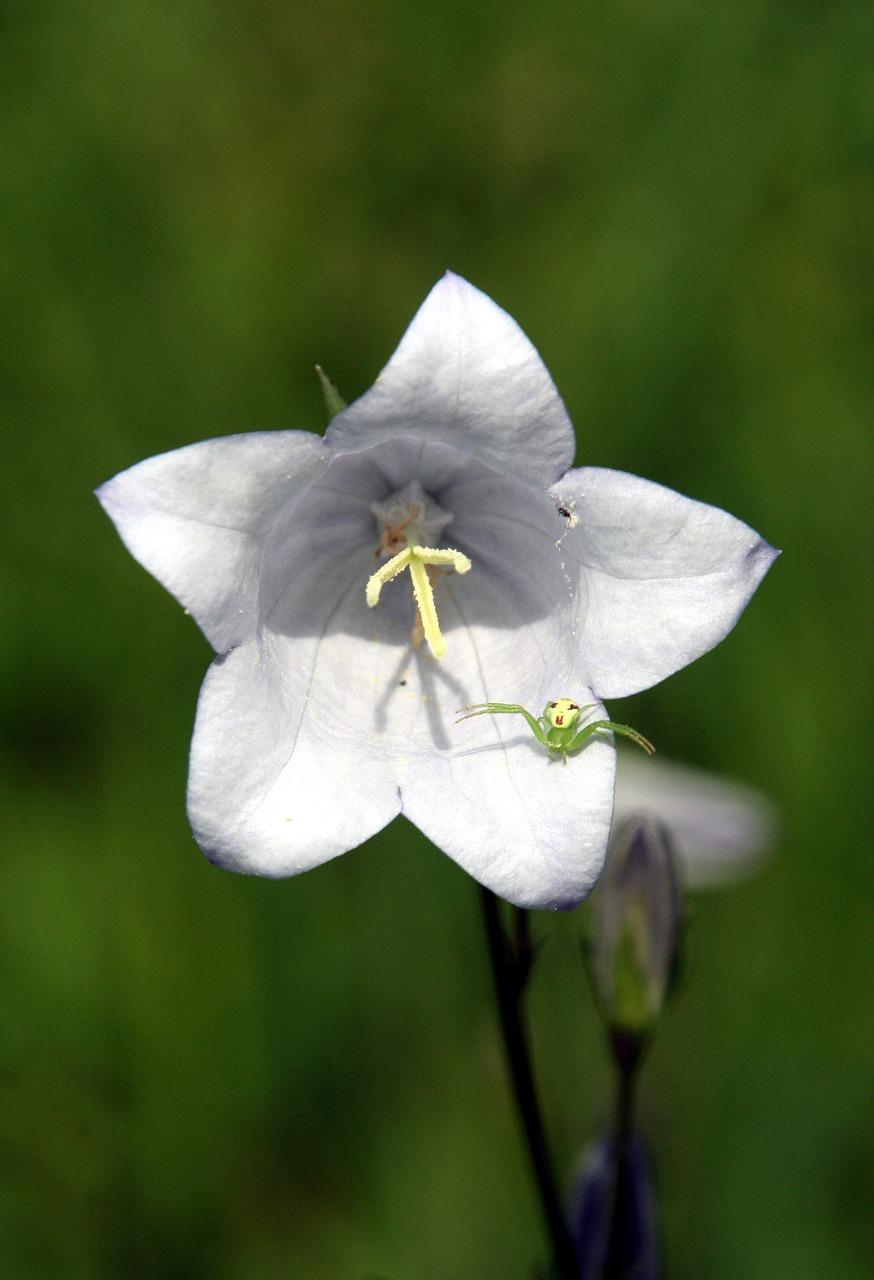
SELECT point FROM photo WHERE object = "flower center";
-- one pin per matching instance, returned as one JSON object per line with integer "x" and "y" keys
{"x": 408, "y": 520}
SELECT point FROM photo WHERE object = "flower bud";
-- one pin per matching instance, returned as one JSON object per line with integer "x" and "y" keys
{"x": 613, "y": 1218}
{"x": 638, "y": 916}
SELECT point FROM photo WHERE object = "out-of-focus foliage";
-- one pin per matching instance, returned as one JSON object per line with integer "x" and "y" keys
{"x": 208, "y": 1076}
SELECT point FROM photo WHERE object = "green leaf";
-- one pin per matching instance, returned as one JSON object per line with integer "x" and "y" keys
{"x": 334, "y": 402}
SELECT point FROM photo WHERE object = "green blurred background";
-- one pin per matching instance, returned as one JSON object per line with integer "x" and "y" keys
{"x": 203, "y": 1075}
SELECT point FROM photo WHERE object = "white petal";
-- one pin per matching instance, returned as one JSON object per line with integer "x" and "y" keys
{"x": 531, "y": 828}
{"x": 281, "y": 776}
{"x": 465, "y": 374}
{"x": 528, "y": 826}
{"x": 663, "y": 578}
{"x": 723, "y": 828}
{"x": 196, "y": 518}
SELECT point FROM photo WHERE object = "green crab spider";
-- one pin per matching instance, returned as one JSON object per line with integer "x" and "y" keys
{"x": 556, "y": 729}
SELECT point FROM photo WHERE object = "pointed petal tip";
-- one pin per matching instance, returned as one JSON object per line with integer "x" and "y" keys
{"x": 450, "y": 281}
{"x": 452, "y": 277}
{"x": 101, "y": 493}
{"x": 114, "y": 499}
{"x": 760, "y": 558}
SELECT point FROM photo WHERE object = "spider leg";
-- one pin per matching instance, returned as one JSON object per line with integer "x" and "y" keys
{"x": 623, "y": 730}
{"x": 503, "y": 708}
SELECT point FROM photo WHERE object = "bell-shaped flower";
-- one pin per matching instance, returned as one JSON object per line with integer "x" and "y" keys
{"x": 331, "y": 706}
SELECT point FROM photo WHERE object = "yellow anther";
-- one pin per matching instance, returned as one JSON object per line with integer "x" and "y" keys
{"x": 417, "y": 560}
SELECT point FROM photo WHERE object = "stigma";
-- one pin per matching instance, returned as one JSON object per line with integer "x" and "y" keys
{"x": 408, "y": 521}
{"x": 422, "y": 563}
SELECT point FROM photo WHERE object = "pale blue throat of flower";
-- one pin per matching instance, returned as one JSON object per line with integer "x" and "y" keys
{"x": 488, "y": 540}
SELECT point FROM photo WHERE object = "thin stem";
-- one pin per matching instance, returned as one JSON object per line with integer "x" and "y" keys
{"x": 508, "y": 990}
{"x": 626, "y": 1072}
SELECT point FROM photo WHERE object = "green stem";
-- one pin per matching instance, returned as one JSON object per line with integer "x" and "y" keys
{"x": 627, "y": 1060}
{"x": 508, "y": 988}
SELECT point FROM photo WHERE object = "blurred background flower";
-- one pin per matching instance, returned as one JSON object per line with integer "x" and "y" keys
{"x": 597, "y": 1186}
{"x": 722, "y": 828}
{"x": 206, "y": 1075}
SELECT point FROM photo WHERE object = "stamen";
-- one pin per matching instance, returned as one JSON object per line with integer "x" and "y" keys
{"x": 417, "y": 560}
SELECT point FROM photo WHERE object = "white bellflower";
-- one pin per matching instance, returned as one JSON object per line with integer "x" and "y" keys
{"x": 324, "y": 716}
